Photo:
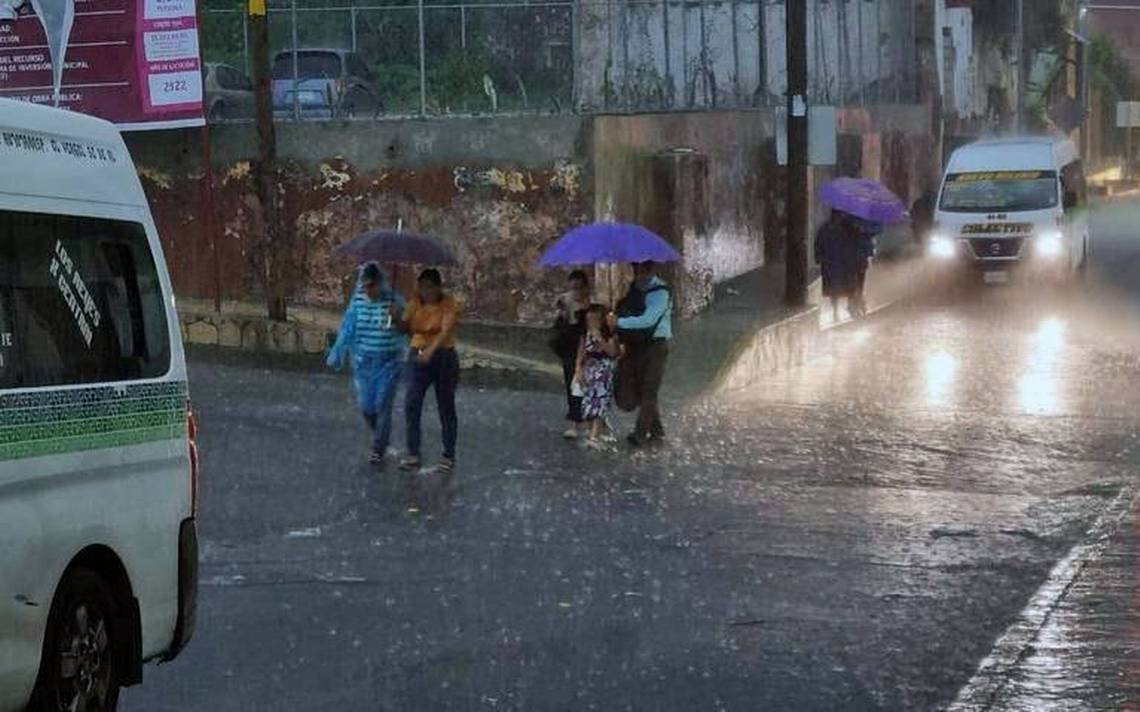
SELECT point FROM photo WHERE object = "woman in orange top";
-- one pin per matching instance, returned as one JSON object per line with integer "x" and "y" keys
{"x": 432, "y": 318}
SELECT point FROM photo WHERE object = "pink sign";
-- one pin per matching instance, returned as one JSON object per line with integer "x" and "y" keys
{"x": 136, "y": 63}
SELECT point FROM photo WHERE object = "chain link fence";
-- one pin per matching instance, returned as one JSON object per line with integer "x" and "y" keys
{"x": 331, "y": 59}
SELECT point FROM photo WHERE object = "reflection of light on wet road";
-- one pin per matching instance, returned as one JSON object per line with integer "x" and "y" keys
{"x": 1037, "y": 389}
{"x": 940, "y": 370}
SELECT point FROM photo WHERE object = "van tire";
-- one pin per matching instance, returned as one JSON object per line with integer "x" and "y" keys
{"x": 84, "y": 616}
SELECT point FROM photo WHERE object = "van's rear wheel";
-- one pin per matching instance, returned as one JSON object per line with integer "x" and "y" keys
{"x": 82, "y": 648}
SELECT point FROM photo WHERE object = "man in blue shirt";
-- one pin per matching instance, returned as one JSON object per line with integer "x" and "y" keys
{"x": 650, "y": 357}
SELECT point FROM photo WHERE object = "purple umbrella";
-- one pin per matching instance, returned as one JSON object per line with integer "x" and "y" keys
{"x": 864, "y": 198}
{"x": 396, "y": 247}
{"x": 608, "y": 243}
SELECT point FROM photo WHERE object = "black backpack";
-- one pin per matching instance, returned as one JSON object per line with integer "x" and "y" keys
{"x": 634, "y": 304}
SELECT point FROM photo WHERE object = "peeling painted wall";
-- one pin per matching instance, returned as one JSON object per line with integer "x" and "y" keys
{"x": 453, "y": 181}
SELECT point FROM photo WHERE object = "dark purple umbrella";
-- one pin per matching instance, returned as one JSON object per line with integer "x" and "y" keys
{"x": 864, "y": 198}
{"x": 608, "y": 243}
{"x": 396, "y": 247}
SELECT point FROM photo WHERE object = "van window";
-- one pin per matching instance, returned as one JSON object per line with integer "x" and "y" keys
{"x": 999, "y": 191}
{"x": 80, "y": 302}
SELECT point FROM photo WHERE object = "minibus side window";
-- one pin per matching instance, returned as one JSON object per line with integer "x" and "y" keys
{"x": 83, "y": 301}
{"x": 7, "y": 371}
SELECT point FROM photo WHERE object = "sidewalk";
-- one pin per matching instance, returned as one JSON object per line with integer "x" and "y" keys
{"x": 703, "y": 346}
{"x": 1086, "y": 656}
{"x": 748, "y": 332}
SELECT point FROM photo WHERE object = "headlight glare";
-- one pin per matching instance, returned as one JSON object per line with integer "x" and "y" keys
{"x": 941, "y": 247}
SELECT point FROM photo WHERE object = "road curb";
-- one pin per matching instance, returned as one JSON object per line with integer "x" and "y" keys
{"x": 769, "y": 350}
{"x": 1016, "y": 643}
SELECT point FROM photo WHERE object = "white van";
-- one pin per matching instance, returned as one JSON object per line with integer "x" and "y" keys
{"x": 98, "y": 466}
{"x": 1013, "y": 205}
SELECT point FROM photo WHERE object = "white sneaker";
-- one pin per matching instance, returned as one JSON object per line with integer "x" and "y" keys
{"x": 571, "y": 433}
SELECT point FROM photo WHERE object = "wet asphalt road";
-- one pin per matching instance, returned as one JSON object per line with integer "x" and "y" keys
{"x": 854, "y": 534}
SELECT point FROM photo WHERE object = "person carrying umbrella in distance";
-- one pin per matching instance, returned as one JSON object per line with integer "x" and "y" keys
{"x": 370, "y": 335}
{"x": 845, "y": 244}
{"x": 644, "y": 320}
{"x": 838, "y": 254}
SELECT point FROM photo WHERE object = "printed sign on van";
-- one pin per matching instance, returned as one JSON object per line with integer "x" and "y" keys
{"x": 135, "y": 63}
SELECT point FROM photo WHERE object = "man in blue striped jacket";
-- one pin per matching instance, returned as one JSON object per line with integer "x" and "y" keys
{"x": 370, "y": 334}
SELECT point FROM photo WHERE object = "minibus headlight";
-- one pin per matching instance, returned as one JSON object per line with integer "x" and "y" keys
{"x": 940, "y": 247}
{"x": 1050, "y": 244}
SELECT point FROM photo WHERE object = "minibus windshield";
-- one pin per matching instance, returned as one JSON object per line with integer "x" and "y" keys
{"x": 999, "y": 191}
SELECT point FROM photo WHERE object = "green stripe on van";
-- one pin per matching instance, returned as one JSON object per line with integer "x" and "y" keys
{"x": 82, "y": 411}
{"x": 60, "y": 422}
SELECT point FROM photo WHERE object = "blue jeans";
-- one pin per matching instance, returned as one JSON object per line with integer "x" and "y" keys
{"x": 376, "y": 379}
{"x": 443, "y": 373}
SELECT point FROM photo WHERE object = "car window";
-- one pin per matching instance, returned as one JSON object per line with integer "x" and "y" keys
{"x": 310, "y": 65}
{"x": 80, "y": 302}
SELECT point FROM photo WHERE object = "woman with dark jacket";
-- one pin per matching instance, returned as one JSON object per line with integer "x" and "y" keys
{"x": 569, "y": 327}
{"x": 840, "y": 254}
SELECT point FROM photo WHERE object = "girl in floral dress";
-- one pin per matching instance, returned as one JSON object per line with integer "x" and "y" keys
{"x": 597, "y": 357}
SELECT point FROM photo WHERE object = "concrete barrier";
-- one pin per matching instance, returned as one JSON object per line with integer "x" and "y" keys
{"x": 242, "y": 338}
{"x": 771, "y": 349}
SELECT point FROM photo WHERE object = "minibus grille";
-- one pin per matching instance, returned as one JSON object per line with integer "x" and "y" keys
{"x": 990, "y": 248}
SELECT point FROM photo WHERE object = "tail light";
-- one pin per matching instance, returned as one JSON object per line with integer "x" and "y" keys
{"x": 192, "y": 435}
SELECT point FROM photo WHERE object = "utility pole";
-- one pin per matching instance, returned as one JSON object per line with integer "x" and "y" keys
{"x": 1019, "y": 64}
{"x": 266, "y": 170}
{"x": 795, "y": 254}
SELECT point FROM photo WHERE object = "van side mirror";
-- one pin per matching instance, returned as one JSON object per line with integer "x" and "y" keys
{"x": 1070, "y": 200}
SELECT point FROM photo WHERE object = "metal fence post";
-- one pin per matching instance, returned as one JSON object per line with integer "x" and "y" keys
{"x": 703, "y": 77}
{"x": 735, "y": 57}
{"x": 296, "y": 64}
{"x": 762, "y": 53}
{"x": 245, "y": 43}
{"x": 463, "y": 27}
{"x": 686, "y": 95}
{"x": 423, "y": 60}
{"x": 880, "y": 96}
{"x": 862, "y": 75}
{"x": 667, "y": 96}
{"x": 575, "y": 51}
{"x": 609, "y": 88}
{"x": 352, "y": 25}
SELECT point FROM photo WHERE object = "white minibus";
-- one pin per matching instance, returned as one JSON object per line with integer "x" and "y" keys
{"x": 98, "y": 464}
{"x": 1012, "y": 206}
